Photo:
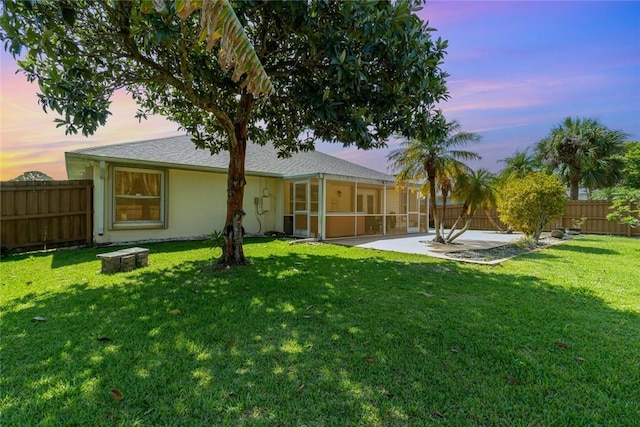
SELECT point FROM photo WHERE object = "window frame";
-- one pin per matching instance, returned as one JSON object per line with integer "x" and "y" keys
{"x": 114, "y": 223}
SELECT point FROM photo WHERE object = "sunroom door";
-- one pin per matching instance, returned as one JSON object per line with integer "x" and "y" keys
{"x": 413, "y": 224}
{"x": 301, "y": 209}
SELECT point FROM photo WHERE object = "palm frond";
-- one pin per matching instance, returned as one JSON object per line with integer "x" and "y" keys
{"x": 582, "y": 149}
{"x": 219, "y": 24}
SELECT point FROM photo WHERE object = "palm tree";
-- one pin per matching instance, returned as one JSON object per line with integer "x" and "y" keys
{"x": 444, "y": 183}
{"x": 582, "y": 151}
{"x": 431, "y": 155}
{"x": 603, "y": 173}
{"x": 521, "y": 164}
{"x": 477, "y": 190}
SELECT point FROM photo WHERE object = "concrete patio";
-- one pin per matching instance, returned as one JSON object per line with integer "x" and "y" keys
{"x": 422, "y": 243}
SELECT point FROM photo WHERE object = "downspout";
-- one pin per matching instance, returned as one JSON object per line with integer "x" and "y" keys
{"x": 322, "y": 206}
{"x": 354, "y": 203}
{"x": 100, "y": 198}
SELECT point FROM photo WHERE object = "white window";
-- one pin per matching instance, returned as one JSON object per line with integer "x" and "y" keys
{"x": 139, "y": 198}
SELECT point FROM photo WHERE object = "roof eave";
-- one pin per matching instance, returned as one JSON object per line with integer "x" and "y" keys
{"x": 89, "y": 158}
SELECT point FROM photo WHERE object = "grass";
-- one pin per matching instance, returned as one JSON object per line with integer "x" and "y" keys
{"x": 323, "y": 335}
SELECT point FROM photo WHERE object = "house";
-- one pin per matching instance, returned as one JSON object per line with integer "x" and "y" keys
{"x": 166, "y": 188}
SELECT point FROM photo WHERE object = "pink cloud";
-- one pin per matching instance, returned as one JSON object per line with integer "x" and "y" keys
{"x": 449, "y": 13}
{"x": 29, "y": 139}
{"x": 440, "y": 13}
{"x": 484, "y": 104}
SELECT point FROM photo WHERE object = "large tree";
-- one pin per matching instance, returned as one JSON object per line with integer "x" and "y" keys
{"x": 348, "y": 72}
{"x": 431, "y": 156}
{"x": 583, "y": 152}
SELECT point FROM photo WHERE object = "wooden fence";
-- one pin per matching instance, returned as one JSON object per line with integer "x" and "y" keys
{"x": 45, "y": 214}
{"x": 595, "y": 212}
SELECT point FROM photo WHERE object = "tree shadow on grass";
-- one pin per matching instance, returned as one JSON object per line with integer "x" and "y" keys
{"x": 61, "y": 256}
{"x": 303, "y": 338}
{"x": 64, "y": 257}
{"x": 591, "y": 250}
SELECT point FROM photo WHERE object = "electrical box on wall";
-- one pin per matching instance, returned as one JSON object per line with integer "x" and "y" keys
{"x": 266, "y": 203}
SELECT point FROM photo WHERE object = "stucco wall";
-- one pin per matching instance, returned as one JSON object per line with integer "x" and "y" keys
{"x": 196, "y": 206}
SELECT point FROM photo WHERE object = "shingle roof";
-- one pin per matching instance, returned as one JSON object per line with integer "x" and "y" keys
{"x": 260, "y": 160}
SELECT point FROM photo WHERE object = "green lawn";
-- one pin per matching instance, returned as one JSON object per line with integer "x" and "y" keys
{"x": 323, "y": 335}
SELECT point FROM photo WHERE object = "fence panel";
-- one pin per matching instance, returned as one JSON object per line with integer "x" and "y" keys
{"x": 46, "y": 214}
{"x": 593, "y": 212}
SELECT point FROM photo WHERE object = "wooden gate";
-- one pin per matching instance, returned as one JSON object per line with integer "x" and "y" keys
{"x": 45, "y": 214}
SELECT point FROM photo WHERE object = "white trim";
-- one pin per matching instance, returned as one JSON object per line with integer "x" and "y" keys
{"x": 305, "y": 211}
{"x": 114, "y": 224}
{"x": 100, "y": 197}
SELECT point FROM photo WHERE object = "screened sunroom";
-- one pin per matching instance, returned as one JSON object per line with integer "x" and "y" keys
{"x": 327, "y": 207}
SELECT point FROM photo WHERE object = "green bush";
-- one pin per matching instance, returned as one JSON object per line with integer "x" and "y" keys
{"x": 216, "y": 240}
{"x": 625, "y": 207}
{"x": 528, "y": 203}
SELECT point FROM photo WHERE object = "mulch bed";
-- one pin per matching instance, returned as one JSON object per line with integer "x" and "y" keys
{"x": 501, "y": 252}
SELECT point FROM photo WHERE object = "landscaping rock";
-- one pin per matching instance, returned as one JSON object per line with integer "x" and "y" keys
{"x": 500, "y": 252}
{"x": 557, "y": 234}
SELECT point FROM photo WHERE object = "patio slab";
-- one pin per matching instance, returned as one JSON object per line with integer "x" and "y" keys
{"x": 422, "y": 244}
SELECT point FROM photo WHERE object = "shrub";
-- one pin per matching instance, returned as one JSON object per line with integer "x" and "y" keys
{"x": 626, "y": 208}
{"x": 216, "y": 240}
{"x": 528, "y": 203}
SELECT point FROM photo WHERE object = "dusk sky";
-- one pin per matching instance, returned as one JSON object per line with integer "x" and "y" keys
{"x": 516, "y": 70}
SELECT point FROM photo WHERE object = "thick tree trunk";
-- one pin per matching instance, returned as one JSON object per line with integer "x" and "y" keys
{"x": 232, "y": 251}
{"x": 574, "y": 186}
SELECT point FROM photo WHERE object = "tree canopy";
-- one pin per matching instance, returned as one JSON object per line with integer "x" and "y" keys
{"x": 631, "y": 168}
{"x": 625, "y": 207}
{"x": 348, "y": 72}
{"x": 519, "y": 165}
{"x": 219, "y": 23}
{"x": 33, "y": 176}
{"x": 583, "y": 152}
